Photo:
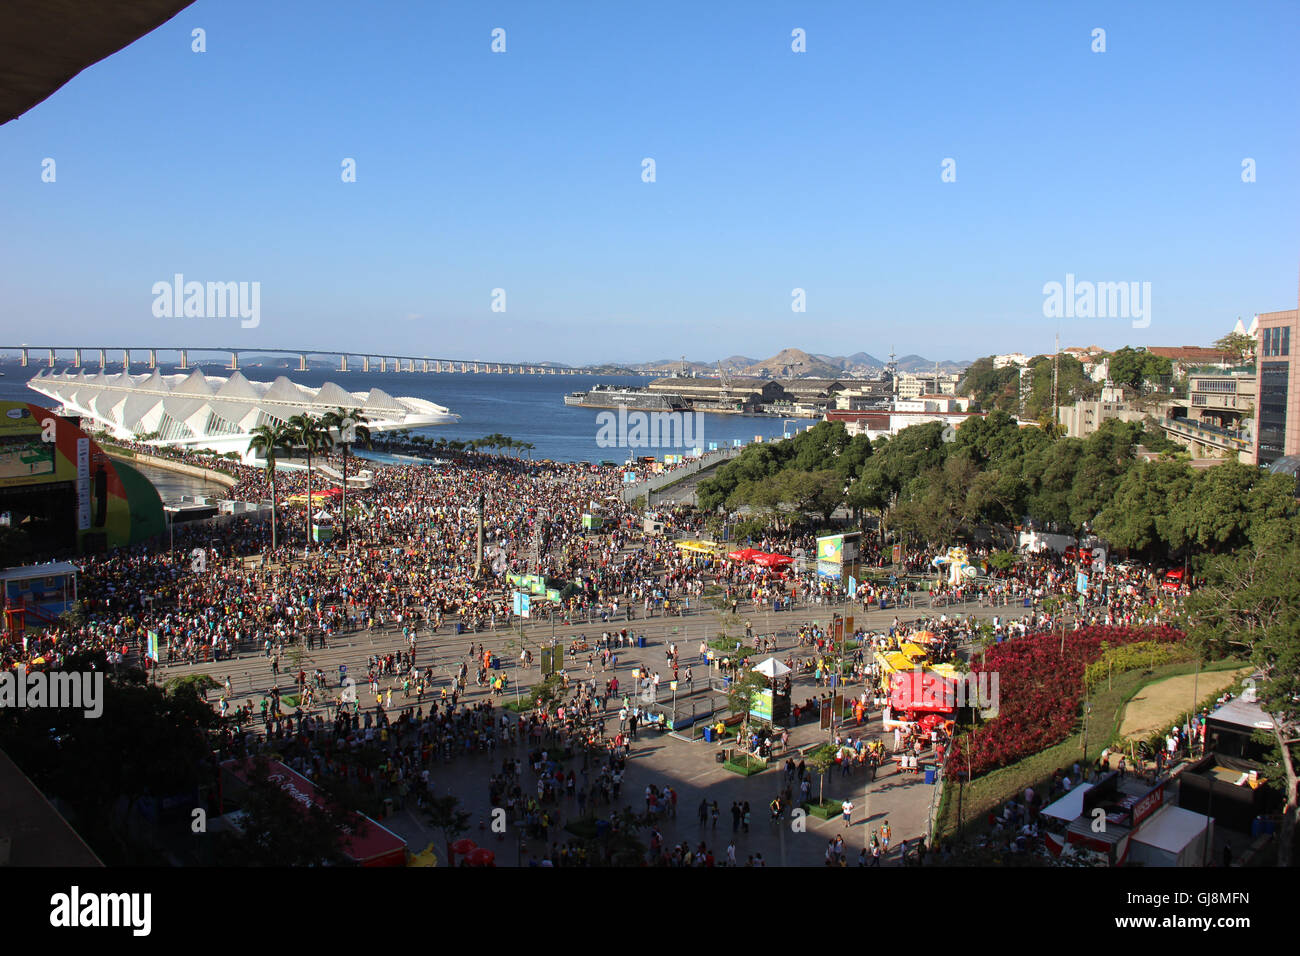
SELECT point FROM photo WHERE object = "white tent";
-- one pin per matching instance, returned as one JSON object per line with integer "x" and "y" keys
{"x": 1070, "y": 806}
{"x": 772, "y": 668}
{"x": 1171, "y": 837}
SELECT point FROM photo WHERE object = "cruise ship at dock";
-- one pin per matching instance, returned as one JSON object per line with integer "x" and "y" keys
{"x": 606, "y": 396}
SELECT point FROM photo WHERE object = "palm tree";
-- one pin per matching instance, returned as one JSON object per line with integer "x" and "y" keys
{"x": 357, "y": 433}
{"x": 267, "y": 441}
{"x": 528, "y": 447}
{"x": 309, "y": 434}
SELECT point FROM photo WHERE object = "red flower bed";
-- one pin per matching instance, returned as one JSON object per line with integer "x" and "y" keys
{"x": 1040, "y": 691}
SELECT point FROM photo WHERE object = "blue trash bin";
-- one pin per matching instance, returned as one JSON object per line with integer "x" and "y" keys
{"x": 1026, "y": 602}
{"x": 640, "y": 641}
{"x": 496, "y": 663}
{"x": 708, "y": 735}
{"x": 929, "y": 775}
{"x": 460, "y": 628}
{"x": 602, "y": 827}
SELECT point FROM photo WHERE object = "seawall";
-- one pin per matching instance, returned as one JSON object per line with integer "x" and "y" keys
{"x": 169, "y": 464}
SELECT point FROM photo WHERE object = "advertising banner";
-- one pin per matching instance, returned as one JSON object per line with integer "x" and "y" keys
{"x": 839, "y": 548}
{"x": 522, "y": 601}
{"x": 829, "y": 569}
{"x": 831, "y": 548}
{"x": 27, "y": 456}
{"x": 532, "y": 583}
{"x": 107, "y": 503}
{"x": 83, "y": 484}
{"x": 760, "y": 705}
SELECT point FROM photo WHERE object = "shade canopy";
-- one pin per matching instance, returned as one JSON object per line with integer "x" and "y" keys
{"x": 922, "y": 692}
{"x": 772, "y": 668}
{"x": 700, "y": 547}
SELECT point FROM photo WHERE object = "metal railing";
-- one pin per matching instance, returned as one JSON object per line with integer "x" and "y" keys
{"x": 1235, "y": 439}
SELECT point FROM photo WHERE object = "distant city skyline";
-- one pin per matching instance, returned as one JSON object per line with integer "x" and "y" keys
{"x": 518, "y": 179}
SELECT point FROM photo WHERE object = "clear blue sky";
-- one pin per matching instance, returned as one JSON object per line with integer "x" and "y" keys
{"x": 775, "y": 170}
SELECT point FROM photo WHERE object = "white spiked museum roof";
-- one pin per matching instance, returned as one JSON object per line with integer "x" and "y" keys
{"x": 200, "y": 411}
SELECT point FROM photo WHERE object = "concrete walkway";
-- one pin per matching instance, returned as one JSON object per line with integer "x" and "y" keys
{"x": 689, "y": 768}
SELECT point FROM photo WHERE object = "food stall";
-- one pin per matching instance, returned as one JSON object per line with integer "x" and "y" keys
{"x": 367, "y": 843}
{"x": 1172, "y": 836}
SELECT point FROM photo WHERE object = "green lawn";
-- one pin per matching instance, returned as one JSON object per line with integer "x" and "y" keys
{"x": 745, "y": 765}
{"x": 826, "y": 810}
{"x": 996, "y": 788}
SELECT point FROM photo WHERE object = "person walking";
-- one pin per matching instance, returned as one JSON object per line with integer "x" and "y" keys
{"x": 847, "y": 808}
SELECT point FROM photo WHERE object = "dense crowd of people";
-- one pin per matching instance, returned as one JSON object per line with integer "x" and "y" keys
{"x": 408, "y": 565}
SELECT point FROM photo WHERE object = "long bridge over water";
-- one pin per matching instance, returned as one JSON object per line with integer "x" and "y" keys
{"x": 366, "y": 361}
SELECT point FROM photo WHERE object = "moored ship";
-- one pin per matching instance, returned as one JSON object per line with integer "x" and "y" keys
{"x": 607, "y": 396}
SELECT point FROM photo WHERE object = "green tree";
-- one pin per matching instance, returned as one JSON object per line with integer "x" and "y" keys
{"x": 146, "y": 743}
{"x": 1049, "y": 472}
{"x": 991, "y": 388}
{"x": 1238, "y": 345}
{"x": 819, "y": 447}
{"x": 1135, "y": 367}
{"x": 823, "y": 761}
{"x": 350, "y": 423}
{"x": 742, "y": 694}
{"x": 1148, "y": 511}
{"x": 269, "y": 441}
{"x": 313, "y": 437}
{"x": 754, "y": 463}
{"x": 1071, "y": 384}
{"x": 1218, "y": 512}
{"x": 277, "y": 830}
{"x": 1106, "y": 456}
{"x": 817, "y": 492}
{"x": 446, "y": 815}
{"x": 1249, "y": 604}
{"x": 853, "y": 456}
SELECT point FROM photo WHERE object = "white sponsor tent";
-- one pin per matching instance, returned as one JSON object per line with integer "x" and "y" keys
{"x": 1171, "y": 837}
{"x": 772, "y": 668}
{"x": 1069, "y": 807}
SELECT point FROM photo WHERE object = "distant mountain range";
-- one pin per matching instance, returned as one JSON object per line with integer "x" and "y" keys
{"x": 796, "y": 363}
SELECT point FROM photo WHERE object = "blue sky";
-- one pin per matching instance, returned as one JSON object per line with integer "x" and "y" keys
{"x": 775, "y": 170}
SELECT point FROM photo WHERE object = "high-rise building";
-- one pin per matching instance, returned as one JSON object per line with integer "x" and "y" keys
{"x": 1277, "y": 402}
